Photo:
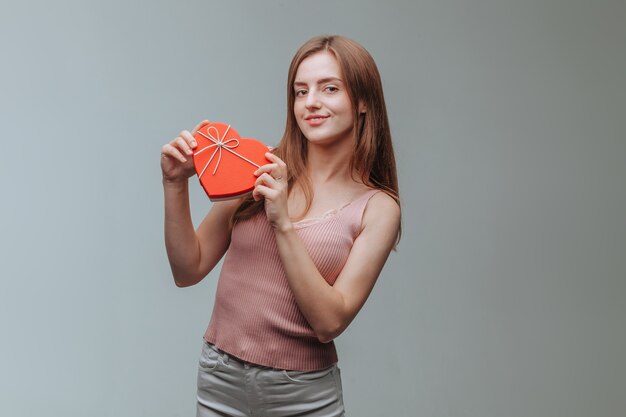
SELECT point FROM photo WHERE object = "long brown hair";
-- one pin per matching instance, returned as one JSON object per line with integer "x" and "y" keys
{"x": 373, "y": 157}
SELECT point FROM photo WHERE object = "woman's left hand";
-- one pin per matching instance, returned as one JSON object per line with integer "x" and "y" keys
{"x": 271, "y": 185}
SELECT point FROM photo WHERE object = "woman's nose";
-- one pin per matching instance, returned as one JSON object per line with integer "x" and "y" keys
{"x": 312, "y": 100}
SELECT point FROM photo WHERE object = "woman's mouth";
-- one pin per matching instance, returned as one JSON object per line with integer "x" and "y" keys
{"x": 315, "y": 120}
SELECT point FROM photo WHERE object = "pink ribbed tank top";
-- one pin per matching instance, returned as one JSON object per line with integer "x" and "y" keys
{"x": 255, "y": 316}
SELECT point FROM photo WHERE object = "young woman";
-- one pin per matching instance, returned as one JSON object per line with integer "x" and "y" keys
{"x": 303, "y": 251}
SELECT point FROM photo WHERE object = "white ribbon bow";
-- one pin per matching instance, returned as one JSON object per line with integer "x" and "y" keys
{"x": 219, "y": 144}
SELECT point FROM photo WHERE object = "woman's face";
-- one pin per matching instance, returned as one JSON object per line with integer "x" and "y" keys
{"x": 322, "y": 106}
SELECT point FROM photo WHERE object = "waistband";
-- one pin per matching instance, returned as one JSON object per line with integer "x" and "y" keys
{"x": 227, "y": 358}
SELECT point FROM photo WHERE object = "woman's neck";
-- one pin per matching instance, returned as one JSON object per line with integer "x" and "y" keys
{"x": 329, "y": 164}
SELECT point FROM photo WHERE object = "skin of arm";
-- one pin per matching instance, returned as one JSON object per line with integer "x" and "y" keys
{"x": 193, "y": 254}
{"x": 328, "y": 309}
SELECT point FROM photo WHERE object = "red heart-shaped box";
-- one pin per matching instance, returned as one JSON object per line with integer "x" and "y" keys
{"x": 225, "y": 163}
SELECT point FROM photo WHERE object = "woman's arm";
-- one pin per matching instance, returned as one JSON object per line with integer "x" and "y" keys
{"x": 192, "y": 254}
{"x": 328, "y": 309}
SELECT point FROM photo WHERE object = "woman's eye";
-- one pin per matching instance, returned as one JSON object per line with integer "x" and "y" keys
{"x": 331, "y": 89}
{"x": 300, "y": 92}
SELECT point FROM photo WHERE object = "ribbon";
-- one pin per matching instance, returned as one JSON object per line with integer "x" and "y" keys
{"x": 219, "y": 144}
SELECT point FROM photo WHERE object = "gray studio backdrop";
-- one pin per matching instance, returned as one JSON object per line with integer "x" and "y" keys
{"x": 506, "y": 296}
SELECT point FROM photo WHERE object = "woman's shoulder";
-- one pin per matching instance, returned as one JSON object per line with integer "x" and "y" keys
{"x": 381, "y": 200}
{"x": 381, "y": 209}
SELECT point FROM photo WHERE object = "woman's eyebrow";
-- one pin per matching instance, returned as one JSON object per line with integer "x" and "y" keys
{"x": 320, "y": 81}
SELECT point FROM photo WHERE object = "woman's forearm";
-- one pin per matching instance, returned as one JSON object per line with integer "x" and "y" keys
{"x": 320, "y": 303}
{"x": 181, "y": 241}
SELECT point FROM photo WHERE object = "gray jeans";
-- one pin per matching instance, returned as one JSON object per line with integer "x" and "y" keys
{"x": 228, "y": 387}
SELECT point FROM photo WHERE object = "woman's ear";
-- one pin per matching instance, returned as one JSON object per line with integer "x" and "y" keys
{"x": 362, "y": 108}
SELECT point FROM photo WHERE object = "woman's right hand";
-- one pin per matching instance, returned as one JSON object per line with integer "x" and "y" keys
{"x": 176, "y": 156}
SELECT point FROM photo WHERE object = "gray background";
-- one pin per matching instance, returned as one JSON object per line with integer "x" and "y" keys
{"x": 506, "y": 297}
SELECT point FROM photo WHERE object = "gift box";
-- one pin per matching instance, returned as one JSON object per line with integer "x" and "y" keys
{"x": 225, "y": 162}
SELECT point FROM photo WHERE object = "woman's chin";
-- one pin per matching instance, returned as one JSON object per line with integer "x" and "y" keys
{"x": 325, "y": 139}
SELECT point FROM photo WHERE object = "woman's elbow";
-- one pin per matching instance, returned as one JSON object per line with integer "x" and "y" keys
{"x": 181, "y": 284}
{"x": 330, "y": 333}
{"x": 325, "y": 338}
{"x": 185, "y": 280}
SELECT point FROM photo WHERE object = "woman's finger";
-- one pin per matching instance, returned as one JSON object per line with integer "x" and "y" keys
{"x": 191, "y": 141}
{"x": 265, "y": 192}
{"x": 171, "y": 151}
{"x": 281, "y": 164}
{"x": 269, "y": 168}
{"x": 199, "y": 126}
{"x": 183, "y": 145}
{"x": 268, "y": 180}
{"x": 261, "y": 191}
{"x": 280, "y": 168}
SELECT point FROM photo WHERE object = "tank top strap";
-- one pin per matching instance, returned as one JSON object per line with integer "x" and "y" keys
{"x": 357, "y": 208}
